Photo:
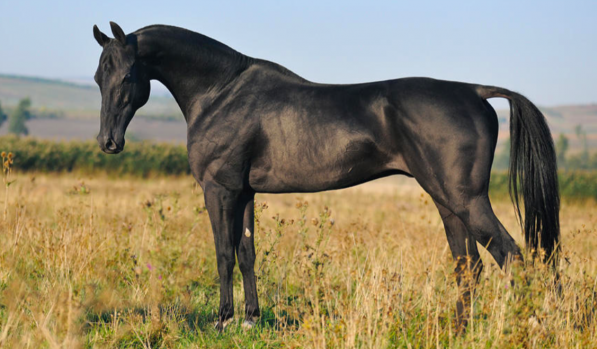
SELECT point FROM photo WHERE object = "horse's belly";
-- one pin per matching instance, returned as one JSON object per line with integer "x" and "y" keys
{"x": 313, "y": 170}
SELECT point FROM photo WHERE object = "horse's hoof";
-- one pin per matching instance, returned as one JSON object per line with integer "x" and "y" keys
{"x": 250, "y": 322}
{"x": 221, "y": 326}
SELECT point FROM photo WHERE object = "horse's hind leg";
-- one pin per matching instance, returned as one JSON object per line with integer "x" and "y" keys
{"x": 484, "y": 226}
{"x": 472, "y": 206}
{"x": 455, "y": 172}
{"x": 450, "y": 155}
{"x": 468, "y": 261}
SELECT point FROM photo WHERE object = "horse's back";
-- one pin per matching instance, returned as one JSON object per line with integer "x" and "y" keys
{"x": 304, "y": 137}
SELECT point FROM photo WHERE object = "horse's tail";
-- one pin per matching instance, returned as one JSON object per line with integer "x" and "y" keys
{"x": 533, "y": 173}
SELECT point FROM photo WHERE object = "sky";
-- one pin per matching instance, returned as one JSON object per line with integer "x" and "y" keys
{"x": 546, "y": 50}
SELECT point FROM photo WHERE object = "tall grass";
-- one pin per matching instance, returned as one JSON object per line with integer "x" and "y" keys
{"x": 91, "y": 262}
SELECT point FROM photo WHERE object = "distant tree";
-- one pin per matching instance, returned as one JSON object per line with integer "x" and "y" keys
{"x": 582, "y": 138}
{"x": 575, "y": 162}
{"x": 16, "y": 122}
{"x": 2, "y": 115}
{"x": 561, "y": 149}
{"x": 593, "y": 162}
{"x": 502, "y": 159}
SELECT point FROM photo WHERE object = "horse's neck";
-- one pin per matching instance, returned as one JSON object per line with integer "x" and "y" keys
{"x": 194, "y": 68}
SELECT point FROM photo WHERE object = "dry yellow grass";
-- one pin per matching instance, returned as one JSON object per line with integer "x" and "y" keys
{"x": 131, "y": 263}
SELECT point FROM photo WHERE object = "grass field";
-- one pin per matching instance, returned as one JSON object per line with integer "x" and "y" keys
{"x": 97, "y": 262}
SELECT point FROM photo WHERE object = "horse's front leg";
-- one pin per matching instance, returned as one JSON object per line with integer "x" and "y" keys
{"x": 223, "y": 208}
{"x": 245, "y": 250}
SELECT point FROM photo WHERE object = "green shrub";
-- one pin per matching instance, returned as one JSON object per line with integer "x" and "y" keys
{"x": 138, "y": 158}
{"x": 573, "y": 184}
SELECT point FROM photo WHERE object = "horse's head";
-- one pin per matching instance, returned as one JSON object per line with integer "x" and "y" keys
{"x": 124, "y": 86}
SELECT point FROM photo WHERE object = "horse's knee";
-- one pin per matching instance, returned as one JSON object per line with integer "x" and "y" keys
{"x": 225, "y": 266}
{"x": 246, "y": 260}
{"x": 246, "y": 265}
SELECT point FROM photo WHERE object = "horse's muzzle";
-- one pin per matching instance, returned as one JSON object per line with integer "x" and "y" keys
{"x": 109, "y": 146}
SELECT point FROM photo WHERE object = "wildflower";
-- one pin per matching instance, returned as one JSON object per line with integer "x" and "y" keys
{"x": 149, "y": 266}
{"x": 3, "y": 154}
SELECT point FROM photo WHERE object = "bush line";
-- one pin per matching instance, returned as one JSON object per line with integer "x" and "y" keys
{"x": 146, "y": 159}
{"x": 138, "y": 159}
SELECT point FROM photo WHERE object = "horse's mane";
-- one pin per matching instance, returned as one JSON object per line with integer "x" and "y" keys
{"x": 188, "y": 37}
{"x": 185, "y": 35}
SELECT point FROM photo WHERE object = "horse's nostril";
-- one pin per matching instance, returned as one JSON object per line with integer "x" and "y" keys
{"x": 111, "y": 145}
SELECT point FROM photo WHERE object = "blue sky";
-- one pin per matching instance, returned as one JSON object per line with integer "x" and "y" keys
{"x": 544, "y": 49}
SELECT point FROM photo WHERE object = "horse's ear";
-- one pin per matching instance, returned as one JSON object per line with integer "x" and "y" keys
{"x": 101, "y": 38}
{"x": 118, "y": 33}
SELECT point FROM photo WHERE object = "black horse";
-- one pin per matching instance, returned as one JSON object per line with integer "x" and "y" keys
{"x": 256, "y": 127}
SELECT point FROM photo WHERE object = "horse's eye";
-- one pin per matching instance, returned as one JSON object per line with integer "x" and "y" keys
{"x": 127, "y": 77}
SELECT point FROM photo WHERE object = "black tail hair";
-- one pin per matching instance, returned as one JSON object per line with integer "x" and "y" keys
{"x": 533, "y": 173}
